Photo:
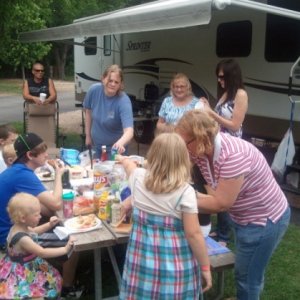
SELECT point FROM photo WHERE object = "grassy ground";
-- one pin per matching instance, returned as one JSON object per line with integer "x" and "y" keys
{"x": 11, "y": 86}
{"x": 281, "y": 280}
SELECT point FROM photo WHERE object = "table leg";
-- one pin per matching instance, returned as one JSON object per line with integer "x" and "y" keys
{"x": 115, "y": 265}
{"x": 220, "y": 285}
{"x": 98, "y": 274}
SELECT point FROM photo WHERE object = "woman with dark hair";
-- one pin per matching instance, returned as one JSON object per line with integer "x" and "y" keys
{"x": 229, "y": 112}
{"x": 232, "y": 106}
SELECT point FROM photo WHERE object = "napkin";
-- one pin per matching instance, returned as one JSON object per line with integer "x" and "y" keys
{"x": 61, "y": 232}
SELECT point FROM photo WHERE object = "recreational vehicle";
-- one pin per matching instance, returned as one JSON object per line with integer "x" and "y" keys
{"x": 263, "y": 36}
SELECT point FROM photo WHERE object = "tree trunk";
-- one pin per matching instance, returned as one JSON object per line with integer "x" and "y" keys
{"x": 23, "y": 72}
{"x": 60, "y": 53}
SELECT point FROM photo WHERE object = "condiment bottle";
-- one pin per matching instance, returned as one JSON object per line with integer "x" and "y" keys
{"x": 116, "y": 209}
{"x": 68, "y": 199}
{"x": 103, "y": 153}
{"x": 66, "y": 180}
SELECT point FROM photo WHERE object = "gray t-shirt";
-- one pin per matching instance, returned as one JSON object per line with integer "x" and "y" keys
{"x": 110, "y": 115}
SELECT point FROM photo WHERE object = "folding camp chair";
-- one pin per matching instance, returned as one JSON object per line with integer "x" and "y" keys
{"x": 44, "y": 121}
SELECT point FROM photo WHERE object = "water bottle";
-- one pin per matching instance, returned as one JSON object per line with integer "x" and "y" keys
{"x": 68, "y": 199}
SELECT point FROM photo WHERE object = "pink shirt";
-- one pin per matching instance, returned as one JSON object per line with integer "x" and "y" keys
{"x": 260, "y": 197}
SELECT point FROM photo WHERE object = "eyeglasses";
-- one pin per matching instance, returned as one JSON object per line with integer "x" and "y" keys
{"x": 177, "y": 87}
{"x": 221, "y": 77}
{"x": 38, "y": 71}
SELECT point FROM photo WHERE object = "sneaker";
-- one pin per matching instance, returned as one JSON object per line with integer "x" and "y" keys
{"x": 71, "y": 292}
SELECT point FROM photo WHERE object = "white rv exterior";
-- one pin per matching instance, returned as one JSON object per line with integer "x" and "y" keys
{"x": 154, "y": 56}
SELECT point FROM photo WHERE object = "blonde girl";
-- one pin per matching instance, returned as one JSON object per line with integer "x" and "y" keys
{"x": 23, "y": 271}
{"x": 166, "y": 249}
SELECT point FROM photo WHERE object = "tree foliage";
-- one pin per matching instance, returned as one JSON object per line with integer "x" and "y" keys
{"x": 26, "y": 15}
{"x": 18, "y": 16}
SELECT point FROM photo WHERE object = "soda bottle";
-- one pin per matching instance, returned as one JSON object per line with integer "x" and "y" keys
{"x": 113, "y": 153}
{"x": 103, "y": 154}
{"x": 116, "y": 209}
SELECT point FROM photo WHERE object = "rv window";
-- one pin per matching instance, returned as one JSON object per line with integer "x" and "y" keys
{"x": 234, "y": 39}
{"x": 90, "y": 46}
{"x": 107, "y": 45}
{"x": 282, "y": 34}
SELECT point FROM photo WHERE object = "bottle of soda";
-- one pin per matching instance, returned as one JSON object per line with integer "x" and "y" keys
{"x": 104, "y": 156}
{"x": 113, "y": 153}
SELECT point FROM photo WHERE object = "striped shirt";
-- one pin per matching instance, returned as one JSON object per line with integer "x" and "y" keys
{"x": 260, "y": 197}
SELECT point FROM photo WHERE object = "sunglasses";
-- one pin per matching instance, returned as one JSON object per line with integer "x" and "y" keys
{"x": 39, "y": 71}
{"x": 220, "y": 77}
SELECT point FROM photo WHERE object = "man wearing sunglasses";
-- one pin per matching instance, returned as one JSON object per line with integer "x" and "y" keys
{"x": 34, "y": 86}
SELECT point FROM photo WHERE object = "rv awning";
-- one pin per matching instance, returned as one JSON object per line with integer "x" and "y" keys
{"x": 157, "y": 15}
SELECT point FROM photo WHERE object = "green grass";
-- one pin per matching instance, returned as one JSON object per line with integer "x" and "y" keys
{"x": 11, "y": 86}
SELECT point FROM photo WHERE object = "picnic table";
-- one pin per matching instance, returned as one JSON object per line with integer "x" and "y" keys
{"x": 106, "y": 237}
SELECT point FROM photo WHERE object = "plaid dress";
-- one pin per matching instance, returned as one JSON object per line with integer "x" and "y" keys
{"x": 159, "y": 262}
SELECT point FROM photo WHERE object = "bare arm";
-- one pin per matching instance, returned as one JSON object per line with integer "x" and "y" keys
{"x": 29, "y": 246}
{"x": 88, "y": 126}
{"x": 223, "y": 197}
{"x": 46, "y": 226}
{"x": 124, "y": 139}
{"x": 128, "y": 164}
{"x": 238, "y": 115}
{"x": 52, "y": 93}
{"x": 51, "y": 201}
{"x": 196, "y": 241}
{"x": 27, "y": 96}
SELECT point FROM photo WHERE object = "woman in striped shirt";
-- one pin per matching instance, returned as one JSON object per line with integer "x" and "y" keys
{"x": 240, "y": 182}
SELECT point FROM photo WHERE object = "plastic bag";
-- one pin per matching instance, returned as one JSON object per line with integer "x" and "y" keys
{"x": 71, "y": 156}
{"x": 85, "y": 159}
{"x": 284, "y": 155}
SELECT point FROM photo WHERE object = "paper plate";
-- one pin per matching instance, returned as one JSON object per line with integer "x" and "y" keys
{"x": 72, "y": 225}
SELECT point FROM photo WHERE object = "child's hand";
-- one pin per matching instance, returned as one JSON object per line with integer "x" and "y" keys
{"x": 120, "y": 158}
{"x": 53, "y": 221}
{"x": 70, "y": 244}
{"x": 206, "y": 275}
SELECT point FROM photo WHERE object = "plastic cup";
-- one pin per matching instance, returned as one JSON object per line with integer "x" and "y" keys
{"x": 43, "y": 97}
{"x": 68, "y": 199}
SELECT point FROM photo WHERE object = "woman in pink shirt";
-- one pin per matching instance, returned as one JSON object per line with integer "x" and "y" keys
{"x": 241, "y": 182}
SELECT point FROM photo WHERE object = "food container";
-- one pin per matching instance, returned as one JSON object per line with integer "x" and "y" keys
{"x": 76, "y": 172}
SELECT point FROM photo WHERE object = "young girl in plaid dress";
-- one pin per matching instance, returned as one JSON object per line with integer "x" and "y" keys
{"x": 166, "y": 253}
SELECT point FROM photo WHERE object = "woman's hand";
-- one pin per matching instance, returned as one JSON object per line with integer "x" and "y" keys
{"x": 120, "y": 147}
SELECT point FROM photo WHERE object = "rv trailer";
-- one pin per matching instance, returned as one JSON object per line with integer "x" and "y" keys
{"x": 263, "y": 36}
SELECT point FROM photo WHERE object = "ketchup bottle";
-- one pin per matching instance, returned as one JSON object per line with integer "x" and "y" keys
{"x": 104, "y": 156}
